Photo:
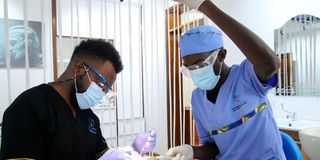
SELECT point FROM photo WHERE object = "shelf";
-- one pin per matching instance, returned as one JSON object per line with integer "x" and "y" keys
{"x": 201, "y": 22}
{"x": 180, "y": 8}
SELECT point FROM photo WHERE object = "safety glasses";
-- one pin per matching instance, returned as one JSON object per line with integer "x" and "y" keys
{"x": 209, "y": 61}
{"x": 103, "y": 83}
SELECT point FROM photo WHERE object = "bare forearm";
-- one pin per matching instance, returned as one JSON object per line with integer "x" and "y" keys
{"x": 264, "y": 60}
{"x": 206, "y": 151}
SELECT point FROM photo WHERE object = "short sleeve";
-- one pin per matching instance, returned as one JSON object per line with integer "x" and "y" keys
{"x": 22, "y": 133}
{"x": 101, "y": 143}
{"x": 249, "y": 75}
{"x": 203, "y": 134}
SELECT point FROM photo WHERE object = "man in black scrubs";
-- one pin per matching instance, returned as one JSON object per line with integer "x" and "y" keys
{"x": 54, "y": 121}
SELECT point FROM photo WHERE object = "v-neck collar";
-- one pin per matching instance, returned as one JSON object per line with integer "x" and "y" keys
{"x": 230, "y": 76}
{"x": 66, "y": 105}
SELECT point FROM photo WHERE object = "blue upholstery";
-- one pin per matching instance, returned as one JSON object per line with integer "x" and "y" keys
{"x": 290, "y": 148}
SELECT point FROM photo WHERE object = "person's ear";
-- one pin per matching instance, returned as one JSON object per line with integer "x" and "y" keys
{"x": 222, "y": 55}
{"x": 78, "y": 67}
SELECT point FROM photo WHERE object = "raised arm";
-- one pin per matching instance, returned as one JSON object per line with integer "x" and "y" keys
{"x": 264, "y": 60}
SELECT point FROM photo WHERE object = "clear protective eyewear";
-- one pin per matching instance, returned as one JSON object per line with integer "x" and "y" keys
{"x": 103, "y": 83}
{"x": 207, "y": 62}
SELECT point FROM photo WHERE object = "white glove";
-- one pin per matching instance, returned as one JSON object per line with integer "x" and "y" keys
{"x": 192, "y": 4}
{"x": 121, "y": 153}
{"x": 185, "y": 151}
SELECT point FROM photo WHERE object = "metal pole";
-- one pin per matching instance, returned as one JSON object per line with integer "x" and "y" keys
{"x": 169, "y": 73}
{"x": 7, "y": 49}
{"x": 144, "y": 63}
{"x": 71, "y": 23}
{"x": 122, "y": 89}
{"x": 297, "y": 76}
{"x": 114, "y": 36}
{"x": 190, "y": 114}
{"x": 43, "y": 48}
{"x": 179, "y": 76}
{"x": 183, "y": 107}
{"x": 152, "y": 66}
{"x": 106, "y": 18}
{"x": 285, "y": 58}
{"x": 290, "y": 35}
{"x": 78, "y": 26}
{"x": 140, "y": 77}
{"x": 101, "y": 18}
{"x": 278, "y": 51}
{"x": 174, "y": 75}
{"x": 301, "y": 75}
{"x": 315, "y": 73}
{"x": 89, "y": 16}
{"x": 60, "y": 34}
{"x": 26, "y": 42}
{"x": 157, "y": 55}
{"x": 306, "y": 56}
{"x": 131, "y": 68}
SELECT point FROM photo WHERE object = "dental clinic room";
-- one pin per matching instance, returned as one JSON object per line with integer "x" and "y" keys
{"x": 160, "y": 79}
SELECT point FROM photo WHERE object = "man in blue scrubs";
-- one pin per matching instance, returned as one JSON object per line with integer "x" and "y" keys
{"x": 233, "y": 115}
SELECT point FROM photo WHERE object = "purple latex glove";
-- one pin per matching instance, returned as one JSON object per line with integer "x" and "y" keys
{"x": 145, "y": 142}
{"x": 121, "y": 153}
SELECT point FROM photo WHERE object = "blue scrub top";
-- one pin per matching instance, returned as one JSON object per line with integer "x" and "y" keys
{"x": 255, "y": 139}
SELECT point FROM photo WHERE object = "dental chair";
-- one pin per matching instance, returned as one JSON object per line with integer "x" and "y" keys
{"x": 290, "y": 148}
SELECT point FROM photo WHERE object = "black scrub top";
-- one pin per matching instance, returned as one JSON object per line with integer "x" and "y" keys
{"x": 40, "y": 125}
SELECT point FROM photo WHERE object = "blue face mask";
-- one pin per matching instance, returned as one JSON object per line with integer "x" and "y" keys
{"x": 205, "y": 78}
{"x": 92, "y": 96}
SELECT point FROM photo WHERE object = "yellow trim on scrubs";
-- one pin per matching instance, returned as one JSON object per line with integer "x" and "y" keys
{"x": 101, "y": 153}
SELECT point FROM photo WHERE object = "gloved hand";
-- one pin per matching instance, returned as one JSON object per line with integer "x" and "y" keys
{"x": 178, "y": 157}
{"x": 121, "y": 153}
{"x": 192, "y": 4}
{"x": 185, "y": 151}
{"x": 145, "y": 142}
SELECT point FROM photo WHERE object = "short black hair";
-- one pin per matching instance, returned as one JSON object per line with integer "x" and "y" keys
{"x": 98, "y": 50}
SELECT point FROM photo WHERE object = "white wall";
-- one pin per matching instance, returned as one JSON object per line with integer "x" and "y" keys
{"x": 263, "y": 17}
{"x": 306, "y": 108}
{"x": 18, "y": 75}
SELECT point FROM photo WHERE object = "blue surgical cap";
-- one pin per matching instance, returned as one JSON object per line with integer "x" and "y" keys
{"x": 200, "y": 39}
